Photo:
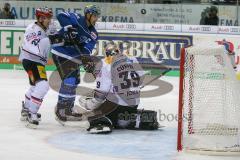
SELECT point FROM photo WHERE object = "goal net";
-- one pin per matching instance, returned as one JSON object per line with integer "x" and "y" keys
{"x": 209, "y": 101}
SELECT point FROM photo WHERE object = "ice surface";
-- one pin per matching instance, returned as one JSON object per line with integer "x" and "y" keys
{"x": 125, "y": 144}
{"x": 52, "y": 141}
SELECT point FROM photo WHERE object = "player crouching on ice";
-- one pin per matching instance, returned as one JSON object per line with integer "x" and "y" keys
{"x": 117, "y": 95}
{"x": 34, "y": 55}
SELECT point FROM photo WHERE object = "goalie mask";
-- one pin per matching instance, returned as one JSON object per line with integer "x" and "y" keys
{"x": 111, "y": 49}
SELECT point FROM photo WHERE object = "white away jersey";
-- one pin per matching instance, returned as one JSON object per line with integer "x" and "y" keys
{"x": 36, "y": 44}
{"x": 120, "y": 77}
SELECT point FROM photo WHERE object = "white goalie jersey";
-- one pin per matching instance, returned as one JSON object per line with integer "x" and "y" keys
{"x": 36, "y": 44}
{"x": 119, "y": 79}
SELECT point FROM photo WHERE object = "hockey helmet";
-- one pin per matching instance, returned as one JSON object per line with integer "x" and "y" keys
{"x": 44, "y": 12}
{"x": 92, "y": 9}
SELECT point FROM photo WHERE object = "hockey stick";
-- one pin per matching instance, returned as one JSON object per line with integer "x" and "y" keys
{"x": 162, "y": 74}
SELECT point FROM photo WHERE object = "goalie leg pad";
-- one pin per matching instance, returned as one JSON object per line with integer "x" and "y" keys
{"x": 145, "y": 120}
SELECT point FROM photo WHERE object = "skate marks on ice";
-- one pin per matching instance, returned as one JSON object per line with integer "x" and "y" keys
{"x": 124, "y": 144}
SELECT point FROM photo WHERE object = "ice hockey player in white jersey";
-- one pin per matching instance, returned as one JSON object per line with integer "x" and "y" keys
{"x": 34, "y": 55}
{"x": 117, "y": 95}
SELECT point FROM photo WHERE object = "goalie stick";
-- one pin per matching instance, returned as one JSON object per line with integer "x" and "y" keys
{"x": 159, "y": 76}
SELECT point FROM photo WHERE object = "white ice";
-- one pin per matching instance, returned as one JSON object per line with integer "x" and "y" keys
{"x": 52, "y": 141}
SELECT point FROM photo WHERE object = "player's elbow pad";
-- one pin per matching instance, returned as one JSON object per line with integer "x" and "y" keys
{"x": 74, "y": 19}
{"x": 64, "y": 19}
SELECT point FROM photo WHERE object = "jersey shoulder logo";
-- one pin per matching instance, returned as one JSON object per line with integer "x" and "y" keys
{"x": 94, "y": 35}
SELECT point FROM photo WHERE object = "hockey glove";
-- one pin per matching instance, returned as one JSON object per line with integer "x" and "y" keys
{"x": 70, "y": 35}
{"x": 55, "y": 38}
{"x": 88, "y": 63}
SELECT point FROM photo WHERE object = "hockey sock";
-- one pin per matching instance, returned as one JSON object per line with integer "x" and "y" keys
{"x": 67, "y": 92}
{"x": 28, "y": 96}
{"x": 35, "y": 104}
{"x": 37, "y": 96}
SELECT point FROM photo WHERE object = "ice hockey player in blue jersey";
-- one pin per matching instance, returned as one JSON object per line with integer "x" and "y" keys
{"x": 80, "y": 37}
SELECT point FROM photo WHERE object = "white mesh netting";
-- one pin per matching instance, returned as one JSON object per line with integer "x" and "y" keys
{"x": 211, "y": 101}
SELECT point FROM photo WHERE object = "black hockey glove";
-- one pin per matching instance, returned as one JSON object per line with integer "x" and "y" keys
{"x": 88, "y": 63}
{"x": 71, "y": 35}
{"x": 55, "y": 38}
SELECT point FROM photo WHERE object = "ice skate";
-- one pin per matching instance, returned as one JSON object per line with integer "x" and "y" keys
{"x": 64, "y": 113}
{"x": 25, "y": 111}
{"x": 32, "y": 120}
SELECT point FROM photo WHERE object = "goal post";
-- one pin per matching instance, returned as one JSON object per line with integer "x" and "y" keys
{"x": 209, "y": 101}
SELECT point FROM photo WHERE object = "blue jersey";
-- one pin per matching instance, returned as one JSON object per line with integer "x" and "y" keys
{"x": 88, "y": 36}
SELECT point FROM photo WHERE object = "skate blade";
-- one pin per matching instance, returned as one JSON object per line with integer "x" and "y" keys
{"x": 31, "y": 126}
{"x": 105, "y": 130}
{"x": 59, "y": 121}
